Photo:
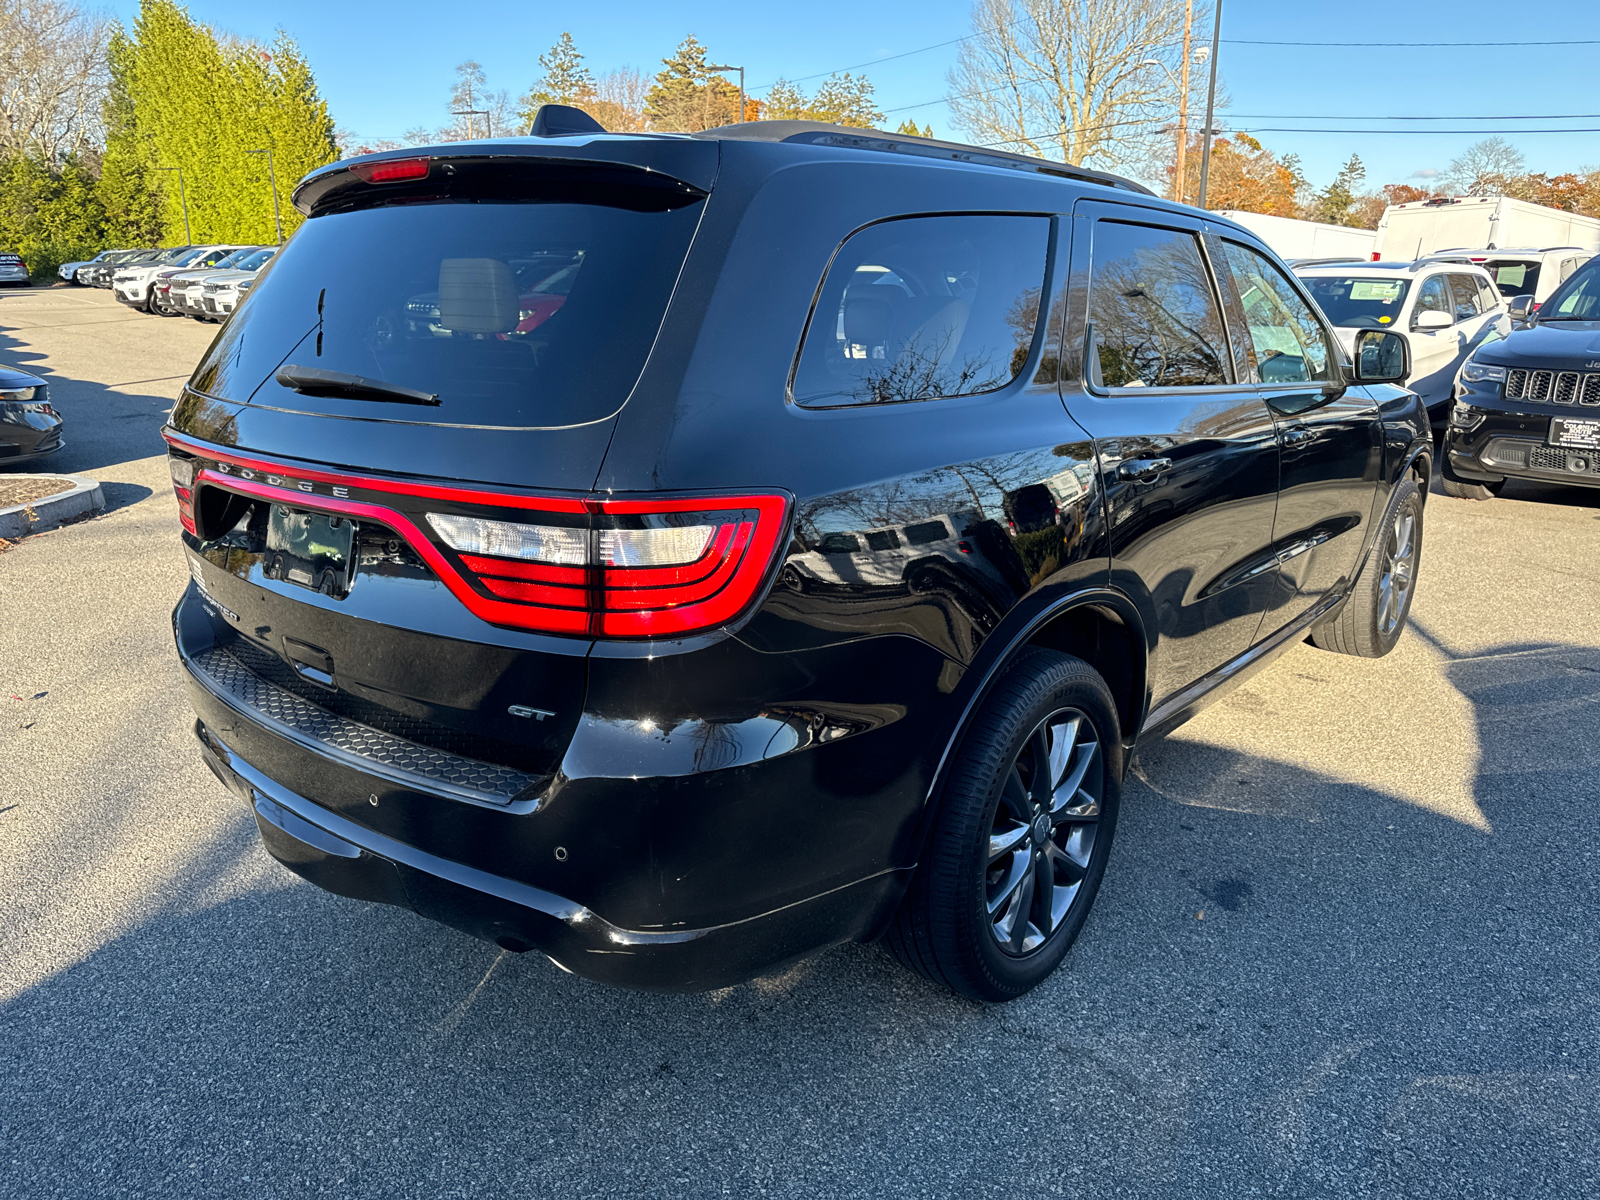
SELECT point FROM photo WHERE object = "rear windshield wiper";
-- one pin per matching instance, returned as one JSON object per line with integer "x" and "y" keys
{"x": 313, "y": 381}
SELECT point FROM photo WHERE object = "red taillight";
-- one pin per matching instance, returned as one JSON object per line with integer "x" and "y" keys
{"x": 633, "y": 568}
{"x": 1376, "y": 256}
{"x": 182, "y": 471}
{"x": 596, "y": 566}
{"x": 393, "y": 170}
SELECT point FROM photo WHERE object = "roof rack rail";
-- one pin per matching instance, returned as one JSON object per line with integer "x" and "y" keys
{"x": 817, "y": 133}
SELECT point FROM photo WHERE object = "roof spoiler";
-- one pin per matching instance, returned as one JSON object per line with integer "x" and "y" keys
{"x": 562, "y": 120}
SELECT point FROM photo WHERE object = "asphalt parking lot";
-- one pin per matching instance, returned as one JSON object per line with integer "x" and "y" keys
{"x": 1346, "y": 946}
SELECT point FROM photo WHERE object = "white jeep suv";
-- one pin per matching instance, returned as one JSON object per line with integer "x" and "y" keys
{"x": 1445, "y": 307}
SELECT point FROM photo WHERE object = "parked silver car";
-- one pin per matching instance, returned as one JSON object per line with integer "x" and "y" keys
{"x": 220, "y": 293}
{"x": 178, "y": 292}
{"x": 69, "y": 270}
{"x": 13, "y": 269}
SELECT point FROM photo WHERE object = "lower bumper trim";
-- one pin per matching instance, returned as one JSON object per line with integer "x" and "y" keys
{"x": 348, "y": 859}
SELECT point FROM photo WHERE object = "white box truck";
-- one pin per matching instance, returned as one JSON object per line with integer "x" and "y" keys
{"x": 1422, "y": 227}
{"x": 1294, "y": 239}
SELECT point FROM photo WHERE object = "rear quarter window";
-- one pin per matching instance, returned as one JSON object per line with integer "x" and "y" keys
{"x": 924, "y": 307}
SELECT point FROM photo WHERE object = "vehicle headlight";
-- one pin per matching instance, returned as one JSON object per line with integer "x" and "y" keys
{"x": 1477, "y": 372}
{"x": 1464, "y": 416}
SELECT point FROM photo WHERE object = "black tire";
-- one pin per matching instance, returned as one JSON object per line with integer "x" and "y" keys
{"x": 1465, "y": 489}
{"x": 1373, "y": 618}
{"x": 951, "y": 924}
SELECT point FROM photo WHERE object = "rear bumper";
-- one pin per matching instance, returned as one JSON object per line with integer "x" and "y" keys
{"x": 345, "y": 858}
{"x": 677, "y": 863}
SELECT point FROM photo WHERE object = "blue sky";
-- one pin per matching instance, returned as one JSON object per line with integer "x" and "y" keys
{"x": 386, "y": 67}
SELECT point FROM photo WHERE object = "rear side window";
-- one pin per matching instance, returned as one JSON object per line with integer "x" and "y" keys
{"x": 1156, "y": 322}
{"x": 1288, "y": 340}
{"x": 924, "y": 307}
{"x": 926, "y": 531}
{"x": 523, "y": 314}
{"x": 1466, "y": 297}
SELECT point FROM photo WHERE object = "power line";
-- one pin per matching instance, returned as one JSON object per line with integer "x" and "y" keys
{"x": 872, "y": 63}
{"x": 1408, "y": 45}
{"x": 1406, "y": 132}
{"x": 1374, "y": 117}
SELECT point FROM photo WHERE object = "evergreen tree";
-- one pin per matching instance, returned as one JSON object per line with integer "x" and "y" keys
{"x": 687, "y": 96}
{"x": 908, "y": 128}
{"x": 1337, "y": 202}
{"x": 565, "y": 80}
{"x": 841, "y": 100}
{"x": 125, "y": 190}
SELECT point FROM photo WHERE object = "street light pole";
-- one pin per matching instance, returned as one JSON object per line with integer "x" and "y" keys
{"x": 1179, "y": 179}
{"x": 1211, "y": 104}
{"x": 272, "y": 180}
{"x": 741, "y": 87}
{"x": 184, "y": 200}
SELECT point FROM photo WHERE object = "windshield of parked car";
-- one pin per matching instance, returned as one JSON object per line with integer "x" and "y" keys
{"x": 524, "y": 314}
{"x": 1578, "y": 299}
{"x": 255, "y": 259}
{"x": 233, "y": 260}
{"x": 1514, "y": 276}
{"x": 1357, "y": 302}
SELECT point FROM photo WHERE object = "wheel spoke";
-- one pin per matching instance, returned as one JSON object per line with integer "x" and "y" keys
{"x": 1039, "y": 785}
{"x": 1044, "y": 894}
{"x": 1015, "y": 795}
{"x": 1070, "y": 788}
{"x": 1016, "y": 875}
{"x": 1019, "y": 922}
{"x": 1063, "y": 738}
{"x": 1071, "y": 870}
{"x": 1003, "y": 841}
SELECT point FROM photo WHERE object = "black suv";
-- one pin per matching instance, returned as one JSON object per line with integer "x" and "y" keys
{"x": 1528, "y": 407}
{"x": 679, "y": 553}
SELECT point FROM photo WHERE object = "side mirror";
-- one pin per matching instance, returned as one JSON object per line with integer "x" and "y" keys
{"x": 1432, "y": 319}
{"x": 1521, "y": 307}
{"x": 1382, "y": 356}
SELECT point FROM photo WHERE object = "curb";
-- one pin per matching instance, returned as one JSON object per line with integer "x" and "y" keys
{"x": 85, "y": 497}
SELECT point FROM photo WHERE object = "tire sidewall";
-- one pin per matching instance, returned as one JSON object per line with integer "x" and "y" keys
{"x": 1407, "y": 495}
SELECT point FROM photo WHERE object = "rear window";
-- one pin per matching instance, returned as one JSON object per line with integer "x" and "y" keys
{"x": 1514, "y": 276}
{"x": 514, "y": 314}
{"x": 1358, "y": 303}
{"x": 924, "y": 307}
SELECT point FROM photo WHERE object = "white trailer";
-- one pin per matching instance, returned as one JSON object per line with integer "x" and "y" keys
{"x": 1421, "y": 227}
{"x": 1305, "y": 239}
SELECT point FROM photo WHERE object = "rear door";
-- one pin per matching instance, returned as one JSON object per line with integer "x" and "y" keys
{"x": 1188, "y": 451}
{"x": 1433, "y": 351}
{"x": 1332, "y": 452}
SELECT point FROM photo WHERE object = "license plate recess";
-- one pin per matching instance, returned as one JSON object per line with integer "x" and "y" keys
{"x": 310, "y": 549}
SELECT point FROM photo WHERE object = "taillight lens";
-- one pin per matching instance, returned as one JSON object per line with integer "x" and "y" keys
{"x": 394, "y": 170}
{"x": 182, "y": 470}
{"x": 628, "y": 568}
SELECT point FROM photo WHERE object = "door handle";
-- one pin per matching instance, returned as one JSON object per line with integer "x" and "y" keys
{"x": 1299, "y": 437}
{"x": 1144, "y": 470}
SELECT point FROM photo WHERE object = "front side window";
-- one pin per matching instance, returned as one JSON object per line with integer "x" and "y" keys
{"x": 1288, "y": 340}
{"x": 924, "y": 307}
{"x": 1156, "y": 321}
{"x": 1434, "y": 296}
{"x": 1488, "y": 298}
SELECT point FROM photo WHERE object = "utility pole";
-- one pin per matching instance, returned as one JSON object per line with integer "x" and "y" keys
{"x": 1211, "y": 104}
{"x": 469, "y": 112}
{"x": 272, "y": 179}
{"x": 1179, "y": 179}
{"x": 183, "y": 198}
{"x": 741, "y": 87}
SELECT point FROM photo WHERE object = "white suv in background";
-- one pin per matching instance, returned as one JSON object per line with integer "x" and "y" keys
{"x": 1446, "y": 309}
{"x": 1528, "y": 271}
{"x": 132, "y": 284}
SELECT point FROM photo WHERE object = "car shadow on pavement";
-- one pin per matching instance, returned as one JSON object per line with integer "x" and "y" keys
{"x": 107, "y": 425}
{"x": 1289, "y": 980}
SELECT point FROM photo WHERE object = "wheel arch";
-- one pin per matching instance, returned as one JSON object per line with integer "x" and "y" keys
{"x": 1100, "y": 625}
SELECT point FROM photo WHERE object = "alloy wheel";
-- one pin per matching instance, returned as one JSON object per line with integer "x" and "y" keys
{"x": 1399, "y": 568}
{"x": 1043, "y": 832}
